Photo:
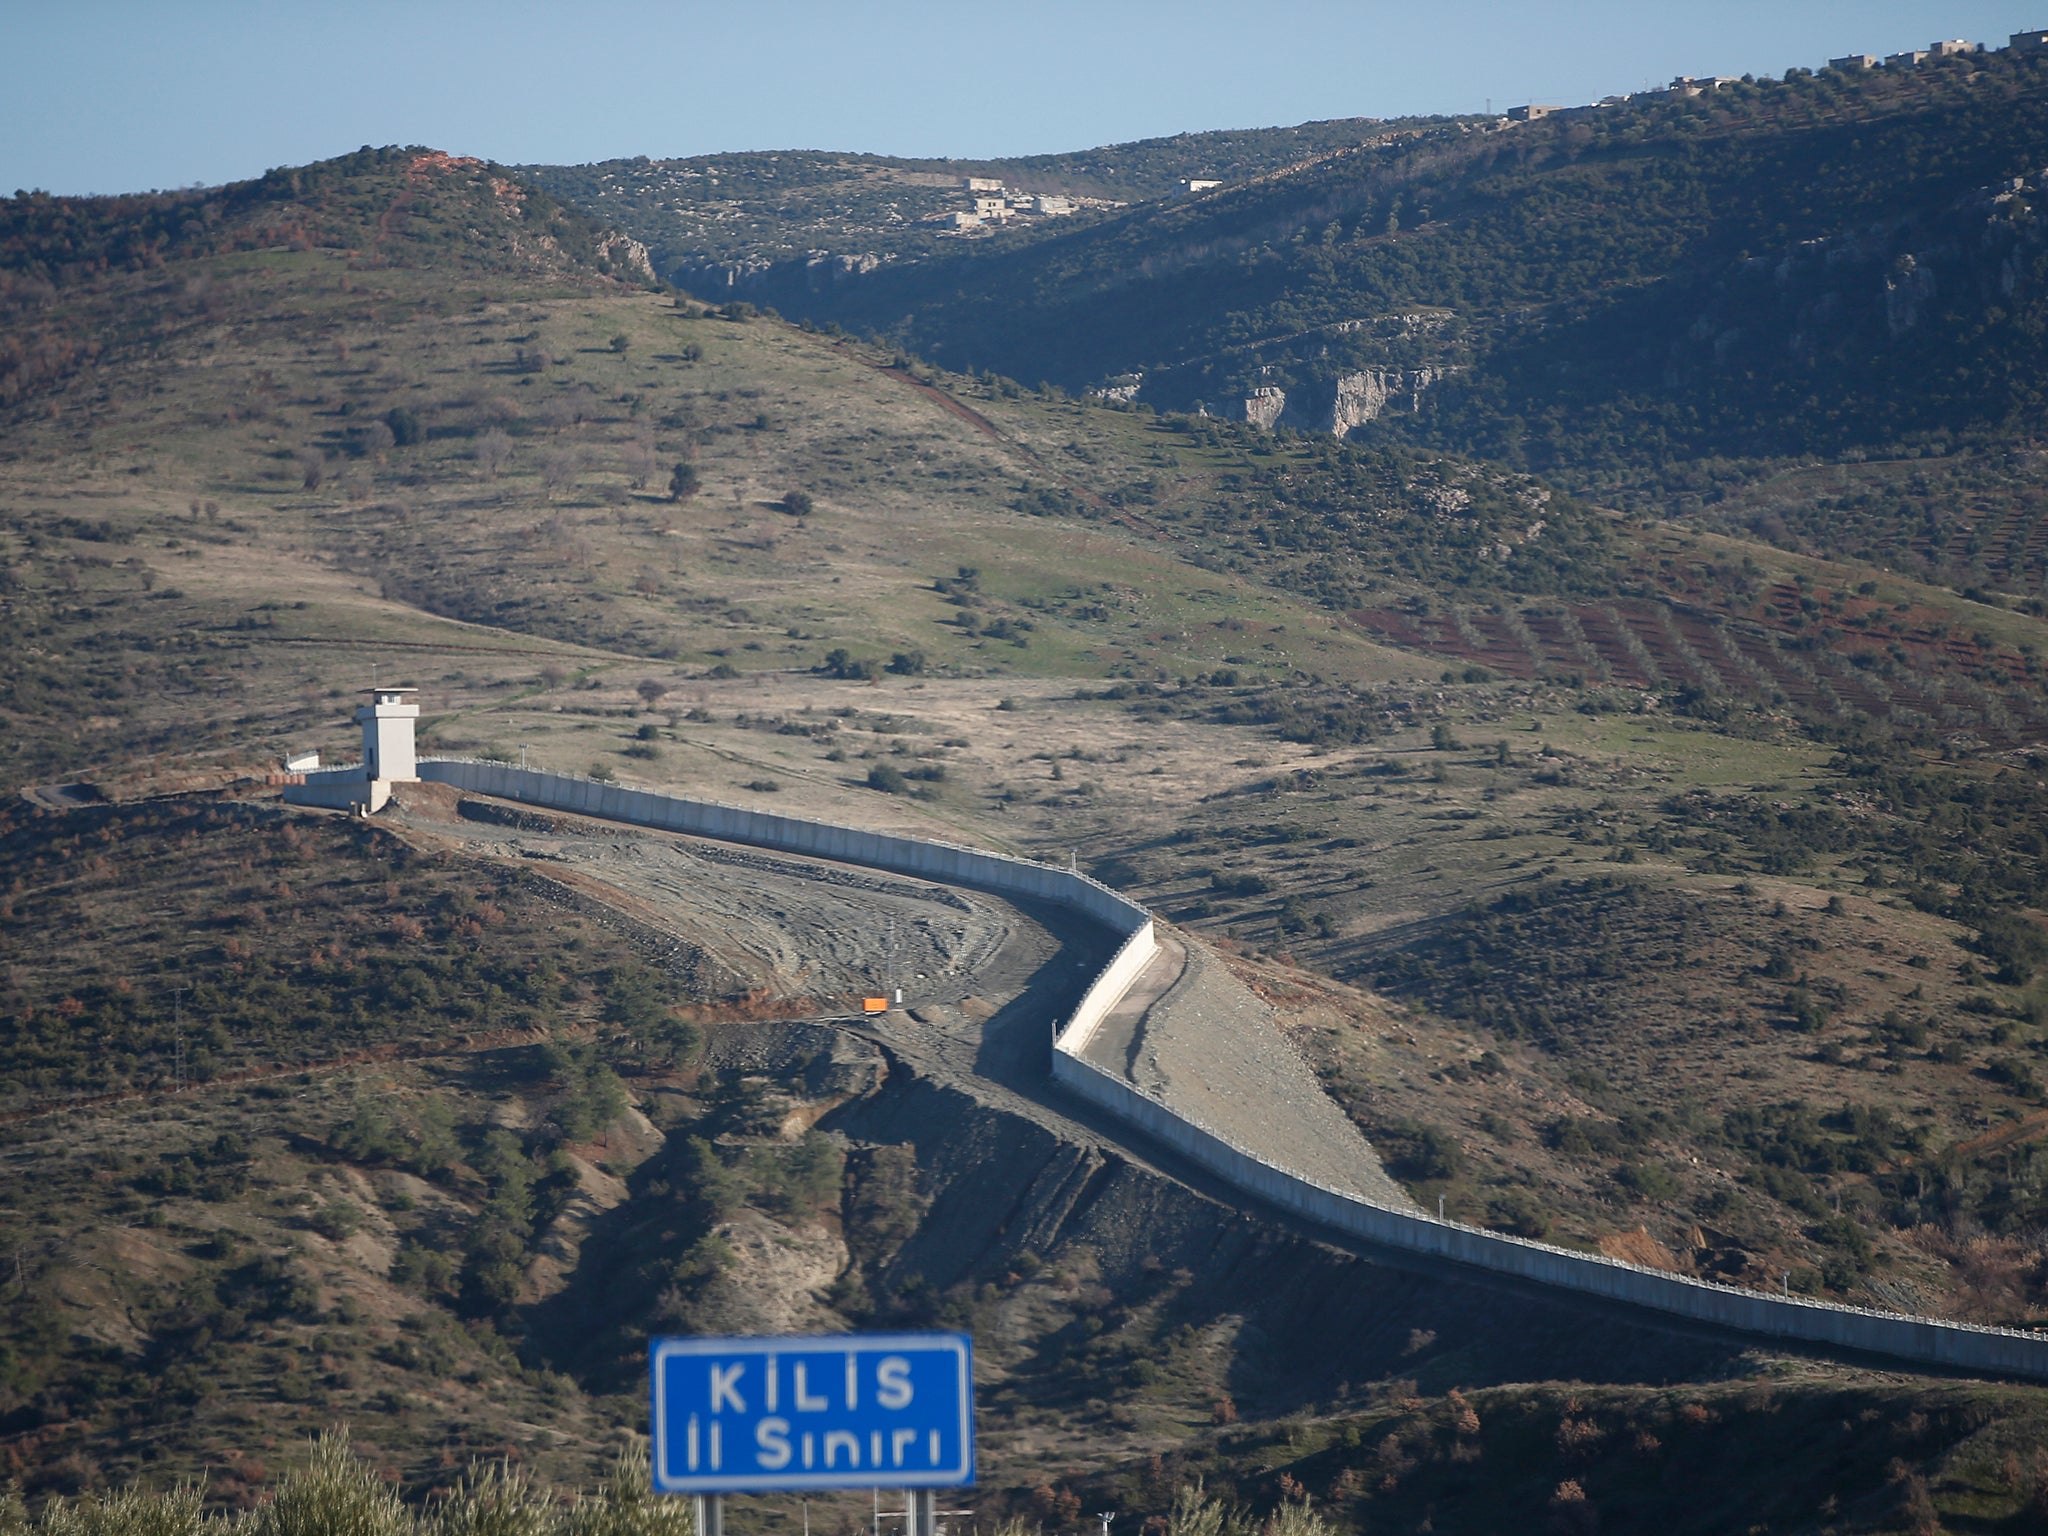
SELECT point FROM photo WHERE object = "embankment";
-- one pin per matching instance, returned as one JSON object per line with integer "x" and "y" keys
{"x": 1921, "y": 1341}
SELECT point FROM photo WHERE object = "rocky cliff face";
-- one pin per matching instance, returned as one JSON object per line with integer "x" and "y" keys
{"x": 1264, "y": 406}
{"x": 1362, "y": 397}
{"x": 621, "y": 255}
{"x": 1340, "y": 407}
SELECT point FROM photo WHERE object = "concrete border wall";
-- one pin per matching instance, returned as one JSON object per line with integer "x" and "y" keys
{"x": 344, "y": 787}
{"x": 1926, "y": 1341}
{"x": 946, "y": 862}
{"x": 1105, "y": 992}
{"x": 1998, "y": 1351}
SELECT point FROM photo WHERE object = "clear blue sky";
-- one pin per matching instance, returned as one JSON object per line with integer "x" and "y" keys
{"x": 118, "y": 95}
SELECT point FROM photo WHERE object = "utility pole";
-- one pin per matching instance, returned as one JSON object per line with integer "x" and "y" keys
{"x": 892, "y": 964}
{"x": 178, "y": 1024}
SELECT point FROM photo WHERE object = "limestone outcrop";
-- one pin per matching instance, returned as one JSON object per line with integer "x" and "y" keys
{"x": 1364, "y": 396}
{"x": 1264, "y": 406}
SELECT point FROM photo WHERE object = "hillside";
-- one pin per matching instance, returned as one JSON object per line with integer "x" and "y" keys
{"x": 1646, "y": 886}
{"x": 801, "y": 220}
{"x": 1653, "y": 301}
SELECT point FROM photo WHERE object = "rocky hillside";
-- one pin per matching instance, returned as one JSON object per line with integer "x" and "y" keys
{"x": 741, "y": 225}
{"x": 1833, "y": 263}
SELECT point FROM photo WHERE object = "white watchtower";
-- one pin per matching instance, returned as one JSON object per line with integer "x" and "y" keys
{"x": 388, "y": 752}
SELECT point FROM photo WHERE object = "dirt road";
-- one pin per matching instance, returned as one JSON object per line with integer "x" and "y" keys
{"x": 985, "y": 981}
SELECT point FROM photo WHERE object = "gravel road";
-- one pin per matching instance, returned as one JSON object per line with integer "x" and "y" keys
{"x": 1212, "y": 1050}
{"x": 986, "y": 981}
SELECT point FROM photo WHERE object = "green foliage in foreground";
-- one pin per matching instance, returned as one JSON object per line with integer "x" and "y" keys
{"x": 335, "y": 1494}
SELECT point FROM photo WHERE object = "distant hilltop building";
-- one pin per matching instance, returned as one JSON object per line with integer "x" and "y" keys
{"x": 994, "y": 206}
{"x": 2028, "y": 42}
{"x": 389, "y": 758}
{"x": 1195, "y": 184}
{"x": 1950, "y": 48}
{"x": 1695, "y": 85}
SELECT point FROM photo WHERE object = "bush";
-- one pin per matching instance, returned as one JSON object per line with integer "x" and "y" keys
{"x": 404, "y": 425}
{"x": 797, "y": 503}
{"x": 1647, "y": 1181}
{"x": 1240, "y": 885}
{"x": 340, "y": 1220}
{"x": 887, "y": 779}
{"x": 1418, "y": 1152}
{"x": 841, "y": 663}
{"x": 333, "y": 1495}
{"x": 336, "y": 1495}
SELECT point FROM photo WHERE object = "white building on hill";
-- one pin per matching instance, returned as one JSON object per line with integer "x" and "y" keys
{"x": 389, "y": 757}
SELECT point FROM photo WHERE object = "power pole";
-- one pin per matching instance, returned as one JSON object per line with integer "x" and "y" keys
{"x": 178, "y": 1024}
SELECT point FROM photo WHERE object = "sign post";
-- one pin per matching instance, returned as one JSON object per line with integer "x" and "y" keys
{"x": 788, "y": 1415}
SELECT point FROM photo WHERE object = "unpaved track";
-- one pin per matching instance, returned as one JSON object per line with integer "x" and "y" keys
{"x": 986, "y": 982}
{"x": 1211, "y": 1049}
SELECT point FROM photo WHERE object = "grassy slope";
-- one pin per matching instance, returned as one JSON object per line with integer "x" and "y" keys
{"x": 541, "y": 593}
{"x": 531, "y": 602}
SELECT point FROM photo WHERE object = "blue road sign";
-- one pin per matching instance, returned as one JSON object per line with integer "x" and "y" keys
{"x": 850, "y": 1410}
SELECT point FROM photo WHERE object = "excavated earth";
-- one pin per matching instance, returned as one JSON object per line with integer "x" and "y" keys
{"x": 1009, "y": 1162}
{"x": 1188, "y": 1032}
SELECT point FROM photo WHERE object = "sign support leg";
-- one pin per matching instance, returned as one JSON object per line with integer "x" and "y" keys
{"x": 924, "y": 1518}
{"x": 708, "y": 1510}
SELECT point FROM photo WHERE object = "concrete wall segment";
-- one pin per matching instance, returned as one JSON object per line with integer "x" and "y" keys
{"x": 1921, "y": 1340}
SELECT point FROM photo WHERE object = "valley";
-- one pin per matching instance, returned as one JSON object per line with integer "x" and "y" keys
{"x": 1643, "y": 857}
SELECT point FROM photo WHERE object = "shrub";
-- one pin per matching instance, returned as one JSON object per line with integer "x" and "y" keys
{"x": 404, "y": 425}
{"x": 337, "y": 1221}
{"x": 129, "y": 1512}
{"x": 887, "y": 779}
{"x": 840, "y": 662}
{"x": 1648, "y": 1181}
{"x": 334, "y": 1494}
